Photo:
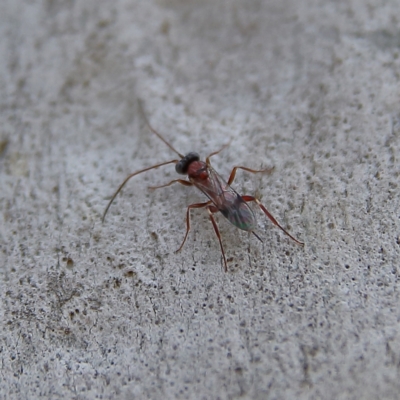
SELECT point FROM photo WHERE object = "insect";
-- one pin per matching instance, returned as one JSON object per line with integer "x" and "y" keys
{"x": 221, "y": 197}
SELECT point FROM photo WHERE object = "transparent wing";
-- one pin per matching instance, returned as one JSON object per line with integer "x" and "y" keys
{"x": 227, "y": 200}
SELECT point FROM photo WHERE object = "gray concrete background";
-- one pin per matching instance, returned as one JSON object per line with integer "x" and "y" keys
{"x": 109, "y": 311}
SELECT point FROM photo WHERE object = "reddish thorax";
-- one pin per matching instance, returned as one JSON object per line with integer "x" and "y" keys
{"x": 197, "y": 171}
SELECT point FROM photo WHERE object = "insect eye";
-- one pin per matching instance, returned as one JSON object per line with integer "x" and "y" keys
{"x": 182, "y": 166}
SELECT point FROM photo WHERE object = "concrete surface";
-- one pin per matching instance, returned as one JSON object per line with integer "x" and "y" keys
{"x": 92, "y": 311}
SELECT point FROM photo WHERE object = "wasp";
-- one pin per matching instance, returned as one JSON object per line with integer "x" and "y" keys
{"x": 221, "y": 197}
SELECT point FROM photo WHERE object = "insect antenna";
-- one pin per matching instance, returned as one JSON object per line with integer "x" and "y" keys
{"x": 131, "y": 176}
{"x": 155, "y": 132}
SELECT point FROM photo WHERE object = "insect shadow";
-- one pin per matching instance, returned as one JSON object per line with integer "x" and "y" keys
{"x": 221, "y": 197}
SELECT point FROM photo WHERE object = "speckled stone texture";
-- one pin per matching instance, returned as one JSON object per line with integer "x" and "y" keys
{"x": 109, "y": 311}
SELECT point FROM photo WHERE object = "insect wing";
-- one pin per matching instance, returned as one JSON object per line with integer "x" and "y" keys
{"x": 227, "y": 200}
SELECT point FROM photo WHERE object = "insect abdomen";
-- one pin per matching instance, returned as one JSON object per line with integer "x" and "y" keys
{"x": 240, "y": 215}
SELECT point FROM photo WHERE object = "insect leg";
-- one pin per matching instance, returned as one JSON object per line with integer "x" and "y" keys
{"x": 212, "y": 210}
{"x": 131, "y": 176}
{"x": 181, "y": 181}
{"x": 253, "y": 171}
{"x": 268, "y": 214}
{"x": 197, "y": 205}
{"x": 218, "y": 151}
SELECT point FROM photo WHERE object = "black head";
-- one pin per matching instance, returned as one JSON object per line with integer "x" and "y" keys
{"x": 182, "y": 166}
